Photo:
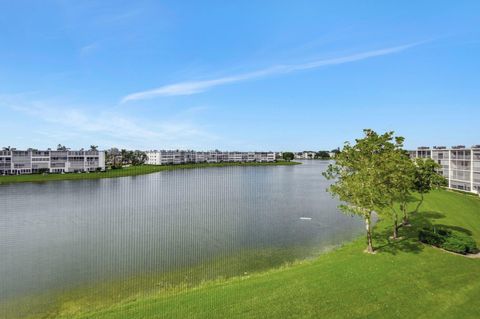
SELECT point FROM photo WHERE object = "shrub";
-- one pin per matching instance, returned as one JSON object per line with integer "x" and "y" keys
{"x": 442, "y": 232}
{"x": 449, "y": 240}
{"x": 429, "y": 236}
{"x": 462, "y": 243}
{"x": 455, "y": 244}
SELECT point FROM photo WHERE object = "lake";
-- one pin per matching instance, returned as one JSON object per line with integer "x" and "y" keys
{"x": 56, "y": 236}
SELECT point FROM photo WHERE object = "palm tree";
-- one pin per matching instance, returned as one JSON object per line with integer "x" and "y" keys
{"x": 124, "y": 154}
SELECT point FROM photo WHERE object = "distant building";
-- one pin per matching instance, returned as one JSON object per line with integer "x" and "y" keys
{"x": 165, "y": 157}
{"x": 34, "y": 161}
{"x": 309, "y": 155}
{"x": 459, "y": 164}
{"x": 305, "y": 155}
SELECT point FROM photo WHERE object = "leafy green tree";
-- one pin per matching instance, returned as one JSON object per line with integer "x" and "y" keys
{"x": 288, "y": 156}
{"x": 111, "y": 156}
{"x": 407, "y": 167}
{"x": 124, "y": 154}
{"x": 322, "y": 155}
{"x": 398, "y": 173}
{"x": 426, "y": 178}
{"x": 359, "y": 177}
{"x": 138, "y": 157}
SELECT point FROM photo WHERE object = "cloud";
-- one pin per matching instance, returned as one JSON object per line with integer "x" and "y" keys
{"x": 194, "y": 87}
{"x": 88, "y": 49}
{"x": 119, "y": 17}
{"x": 113, "y": 128}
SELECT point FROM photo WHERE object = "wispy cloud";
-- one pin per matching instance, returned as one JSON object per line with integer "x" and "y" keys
{"x": 194, "y": 87}
{"x": 119, "y": 17}
{"x": 88, "y": 49}
{"x": 113, "y": 128}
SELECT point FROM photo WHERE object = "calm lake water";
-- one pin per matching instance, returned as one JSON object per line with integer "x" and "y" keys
{"x": 58, "y": 235}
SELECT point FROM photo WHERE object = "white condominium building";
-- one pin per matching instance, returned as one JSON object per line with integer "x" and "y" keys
{"x": 305, "y": 155}
{"x": 460, "y": 165}
{"x": 35, "y": 161}
{"x": 184, "y": 157}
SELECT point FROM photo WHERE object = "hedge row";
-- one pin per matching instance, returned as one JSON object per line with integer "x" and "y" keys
{"x": 448, "y": 239}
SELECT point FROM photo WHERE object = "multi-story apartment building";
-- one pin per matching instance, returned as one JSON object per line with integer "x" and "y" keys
{"x": 305, "y": 155}
{"x": 183, "y": 157}
{"x": 34, "y": 161}
{"x": 460, "y": 165}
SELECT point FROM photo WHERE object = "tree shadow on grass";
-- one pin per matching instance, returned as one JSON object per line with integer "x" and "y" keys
{"x": 408, "y": 241}
{"x": 455, "y": 228}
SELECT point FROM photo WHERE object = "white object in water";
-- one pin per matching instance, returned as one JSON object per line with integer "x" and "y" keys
{"x": 306, "y": 218}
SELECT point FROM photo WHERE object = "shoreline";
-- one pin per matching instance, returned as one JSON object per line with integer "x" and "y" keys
{"x": 97, "y": 296}
{"x": 127, "y": 171}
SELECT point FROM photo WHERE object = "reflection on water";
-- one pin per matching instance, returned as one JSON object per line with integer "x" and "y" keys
{"x": 60, "y": 235}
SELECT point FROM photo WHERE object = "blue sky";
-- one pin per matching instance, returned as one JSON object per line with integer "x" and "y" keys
{"x": 237, "y": 75}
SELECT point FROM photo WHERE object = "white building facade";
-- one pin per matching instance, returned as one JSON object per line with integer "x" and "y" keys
{"x": 460, "y": 165}
{"x": 184, "y": 157}
{"x": 15, "y": 162}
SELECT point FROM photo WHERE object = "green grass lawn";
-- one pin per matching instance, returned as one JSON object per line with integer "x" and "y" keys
{"x": 405, "y": 279}
{"x": 127, "y": 171}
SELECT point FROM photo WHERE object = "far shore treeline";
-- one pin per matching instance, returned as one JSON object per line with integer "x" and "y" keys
{"x": 116, "y": 158}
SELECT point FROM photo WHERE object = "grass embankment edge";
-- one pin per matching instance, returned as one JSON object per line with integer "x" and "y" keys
{"x": 127, "y": 171}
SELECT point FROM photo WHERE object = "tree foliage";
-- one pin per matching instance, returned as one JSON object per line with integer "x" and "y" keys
{"x": 322, "y": 155}
{"x": 360, "y": 179}
{"x": 117, "y": 158}
{"x": 376, "y": 175}
{"x": 398, "y": 176}
{"x": 61, "y": 147}
{"x": 288, "y": 156}
{"x": 426, "y": 177}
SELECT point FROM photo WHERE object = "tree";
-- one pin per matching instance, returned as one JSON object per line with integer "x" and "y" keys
{"x": 93, "y": 147}
{"x": 336, "y": 151}
{"x": 111, "y": 156}
{"x": 426, "y": 178}
{"x": 61, "y": 147}
{"x": 138, "y": 157}
{"x": 322, "y": 155}
{"x": 288, "y": 156}
{"x": 405, "y": 186}
{"x": 398, "y": 176}
{"x": 360, "y": 179}
{"x": 124, "y": 154}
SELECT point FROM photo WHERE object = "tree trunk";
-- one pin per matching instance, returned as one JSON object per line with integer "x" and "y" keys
{"x": 405, "y": 215}
{"x": 395, "y": 225}
{"x": 368, "y": 227}
{"x": 420, "y": 203}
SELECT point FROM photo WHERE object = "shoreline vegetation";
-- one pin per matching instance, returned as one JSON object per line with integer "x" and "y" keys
{"x": 128, "y": 171}
{"x": 429, "y": 282}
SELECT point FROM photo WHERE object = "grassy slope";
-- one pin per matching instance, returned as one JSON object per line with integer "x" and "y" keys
{"x": 128, "y": 171}
{"x": 404, "y": 279}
